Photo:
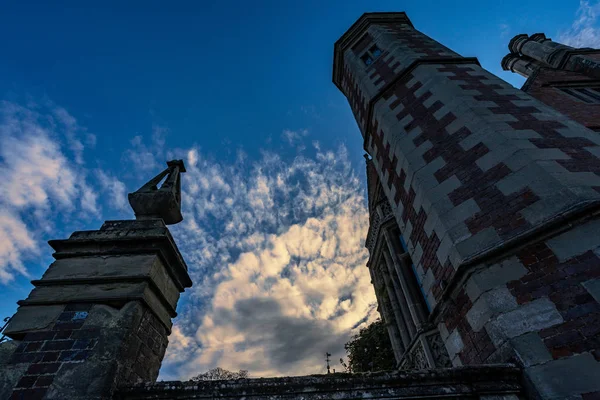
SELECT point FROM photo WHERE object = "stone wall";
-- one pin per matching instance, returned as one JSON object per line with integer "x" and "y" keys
{"x": 499, "y": 382}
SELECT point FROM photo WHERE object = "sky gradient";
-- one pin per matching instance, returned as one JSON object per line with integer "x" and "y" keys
{"x": 95, "y": 98}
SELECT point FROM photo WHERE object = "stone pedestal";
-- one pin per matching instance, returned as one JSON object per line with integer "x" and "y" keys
{"x": 100, "y": 316}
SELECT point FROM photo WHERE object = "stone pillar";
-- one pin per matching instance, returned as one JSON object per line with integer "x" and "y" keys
{"x": 496, "y": 196}
{"x": 402, "y": 270}
{"x": 100, "y": 316}
{"x": 399, "y": 295}
{"x": 388, "y": 317}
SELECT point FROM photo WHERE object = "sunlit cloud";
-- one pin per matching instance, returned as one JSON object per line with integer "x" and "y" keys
{"x": 275, "y": 249}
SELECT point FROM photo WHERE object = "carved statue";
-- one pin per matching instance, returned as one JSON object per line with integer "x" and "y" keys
{"x": 150, "y": 201}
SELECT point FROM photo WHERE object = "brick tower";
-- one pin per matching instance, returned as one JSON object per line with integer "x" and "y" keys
{"x": 100, "y": 316}
{"x": 563, "y": 77}
{"x": 484, "y": 235}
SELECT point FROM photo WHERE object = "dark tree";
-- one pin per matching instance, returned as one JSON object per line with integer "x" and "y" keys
{"x": 370, "y": 350}
{"x": 218, "y": 373}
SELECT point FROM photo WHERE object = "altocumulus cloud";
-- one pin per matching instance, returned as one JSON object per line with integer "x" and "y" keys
{"x": 584, "y": 31}
{"x": 39, "y": 181}
{"x": 275, "y": 249}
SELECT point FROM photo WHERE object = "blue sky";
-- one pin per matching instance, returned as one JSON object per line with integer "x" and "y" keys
{"x": 96, "y": 96}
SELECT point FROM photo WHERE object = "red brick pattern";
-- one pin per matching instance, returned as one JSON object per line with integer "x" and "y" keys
{"x": 561, "y": 283}
{"x": 584, "y": 113}
{"x": 47, "y": 352}
{"x": 356, "y": 99}
{"x": 477, "y": 345}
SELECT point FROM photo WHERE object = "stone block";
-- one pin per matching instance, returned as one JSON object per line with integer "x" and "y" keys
{"x": 593, "y": 287}
{"x": 30, "y": 318}
{"x": 559, "y": 379}
{"x": 454, "y": 343}
{"x": 576, "y": 241}
{"x": 478, "y": 243}
{"x": 493, "y": 276}
{"x": 490, "y": 303}
{"x": 531, "y": 317}
{"x": 530, "y": 349}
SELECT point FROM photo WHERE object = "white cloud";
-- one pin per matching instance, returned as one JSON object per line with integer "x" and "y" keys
{"x": 39, "y": 181}
{"x": 292, "y": 137}
{"x": 72, "y": 131}
{"x": 147, "y": 157}
{"x": 276, "y": 253}
{"x": 584, "y": 31}
{"x": 114, "y": 190}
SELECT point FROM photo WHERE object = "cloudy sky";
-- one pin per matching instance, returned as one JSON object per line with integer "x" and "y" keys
{"x": 95, "y": 98}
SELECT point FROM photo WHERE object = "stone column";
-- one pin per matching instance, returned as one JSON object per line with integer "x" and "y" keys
{"x": 404, "y": 273}
{"x": 394, "y": 303}
{"x": 399, "y": 294}
{"x": 388, "y": 317}
{"x": 100, "y": 316}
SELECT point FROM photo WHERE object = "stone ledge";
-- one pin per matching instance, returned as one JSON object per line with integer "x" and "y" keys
{"x": 127, "y": 237}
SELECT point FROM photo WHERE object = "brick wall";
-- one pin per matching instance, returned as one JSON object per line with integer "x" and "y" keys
{"x": 93, "y": 346}
{"x": 539, "y": 308}
{"x": 145, "y": 350}
{"x": 47, "y": 352}
{"x": 586, "y": 114}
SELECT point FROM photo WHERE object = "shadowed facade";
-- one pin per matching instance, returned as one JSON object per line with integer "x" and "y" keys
{"x": 483, "y": 204}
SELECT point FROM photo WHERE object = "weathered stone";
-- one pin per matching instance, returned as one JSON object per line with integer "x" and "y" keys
{"x": 571, "y": 376}
{"x": 464, "y": 382}
{"x": 454, "y": 343}
{"x": 490, "y": 303}
{"x": 530, "y": 349}
{"x": 576, "y": 241}
{"x": 30, "y": 318}
{"x": 494, "y": 276}
{"x": 593, "y": 287}
{"x": 534, "y": 316}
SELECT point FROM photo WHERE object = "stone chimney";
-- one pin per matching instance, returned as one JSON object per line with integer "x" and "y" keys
{"x": 555, "y": 55}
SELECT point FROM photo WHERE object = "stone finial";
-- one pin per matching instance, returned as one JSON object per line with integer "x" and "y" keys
{"x": 150, "y": 201}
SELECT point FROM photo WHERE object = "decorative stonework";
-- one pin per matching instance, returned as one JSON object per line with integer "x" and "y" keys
{"x": 376, "y": 221}
{"x": 438, "y": 350}
{"x": 415, "y": 358}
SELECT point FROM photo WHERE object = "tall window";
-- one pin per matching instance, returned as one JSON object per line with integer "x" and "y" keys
{"x": 590, "y": 95}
